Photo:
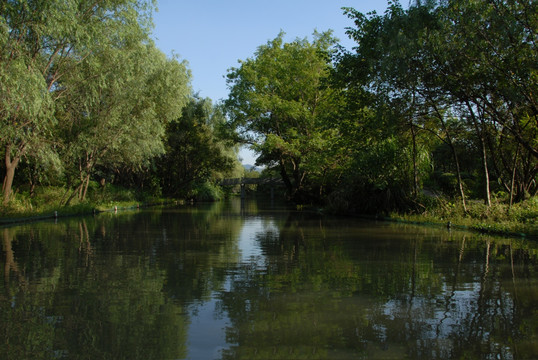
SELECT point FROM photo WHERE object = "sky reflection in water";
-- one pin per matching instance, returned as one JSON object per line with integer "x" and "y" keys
{"x": 250, "y": 280}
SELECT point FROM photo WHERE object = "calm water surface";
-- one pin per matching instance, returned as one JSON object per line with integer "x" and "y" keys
{"x": 253, "y": 280}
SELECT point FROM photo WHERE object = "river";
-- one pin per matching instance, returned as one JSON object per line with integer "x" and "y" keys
{"x": 256, "y": 280}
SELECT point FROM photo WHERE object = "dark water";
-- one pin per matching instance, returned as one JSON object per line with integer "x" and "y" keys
{"x": 257, "y": 281}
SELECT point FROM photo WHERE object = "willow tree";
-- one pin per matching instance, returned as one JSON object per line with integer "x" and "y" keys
{"x": 125, "y": 97}
{"x": 280, "y": 100}
{"x": 40, "y": 43}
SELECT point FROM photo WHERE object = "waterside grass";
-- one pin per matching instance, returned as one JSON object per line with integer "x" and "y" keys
{"x": 520, "y": 219}
{"x": 49, "y": 202}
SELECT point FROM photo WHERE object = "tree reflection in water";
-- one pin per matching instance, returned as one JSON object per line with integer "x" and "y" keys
{"x": 330, "y": 290}
{"x": 264, "y": 283}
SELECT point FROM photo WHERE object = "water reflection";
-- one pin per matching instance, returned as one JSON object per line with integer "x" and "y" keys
{"x": 250, "y": 280}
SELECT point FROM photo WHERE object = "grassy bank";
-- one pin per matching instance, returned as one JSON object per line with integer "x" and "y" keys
{"x": 520, "y": 219}
{"x": 49, "y": 202}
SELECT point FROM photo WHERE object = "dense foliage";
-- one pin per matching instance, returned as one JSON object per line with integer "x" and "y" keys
{"x": 86, "y": 96}
{"x": 282, "y": 102}
{"x": 436, "y": 99}
{"x": 197, "y": 150}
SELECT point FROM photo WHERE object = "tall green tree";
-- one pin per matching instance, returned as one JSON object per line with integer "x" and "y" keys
{"x": 490, "y": 66}
{"x": 197, "y": 150}
{"x": 40, "y": 43}
{"x": 282, "y": 103}
{"x": 386, "y": 108}
{"x": 125, "y": 97}
{"x": 463, "y": 72}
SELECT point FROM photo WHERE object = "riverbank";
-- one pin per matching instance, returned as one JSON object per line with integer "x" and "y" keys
{"x": 518, "y": 220}
{"x": 80, "y": 210}
{"x": 49, "y": 203}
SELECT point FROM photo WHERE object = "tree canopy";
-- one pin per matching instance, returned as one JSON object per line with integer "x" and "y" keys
{"x": 280, "y": 100}
{"x": 440, "y": 94}
{"x": 85, "y": 93}
{"x": 438, "y": 97}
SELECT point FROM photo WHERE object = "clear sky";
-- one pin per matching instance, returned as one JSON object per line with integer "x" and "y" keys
{"x": 212, "y": 35}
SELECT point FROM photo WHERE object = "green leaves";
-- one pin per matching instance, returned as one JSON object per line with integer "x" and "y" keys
{"x": 281, "y": 99}
{"x": 452, "y": 73}
{"x": 109, "y": 126}
{"x": 83, "y": 78}
{"x": 196, "y": 150}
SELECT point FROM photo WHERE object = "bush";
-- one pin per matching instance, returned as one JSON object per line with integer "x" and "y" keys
{"x": 206, "y": 191}
{"x": 48, "y": 194}
{"x": 109, "y": 194}
{"x": 526, "y": 211}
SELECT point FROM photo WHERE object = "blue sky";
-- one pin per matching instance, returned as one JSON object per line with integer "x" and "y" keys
{"x": 212, "y": 35}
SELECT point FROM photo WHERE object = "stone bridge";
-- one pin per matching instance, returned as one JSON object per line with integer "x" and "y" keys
{"x": 273, "y": 182}
{"x": 249, "y": 181}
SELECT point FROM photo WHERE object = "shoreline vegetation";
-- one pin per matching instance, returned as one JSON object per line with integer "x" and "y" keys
{"x": 430, "y": 118}
{"x": 520, "y": 220}
{"x": 47, "y": 204}
{"x": 498, "y": 220}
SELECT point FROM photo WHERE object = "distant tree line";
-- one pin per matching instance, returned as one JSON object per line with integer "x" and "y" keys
{"x": 440, "y": 96}
{"x": 86, "y": 96}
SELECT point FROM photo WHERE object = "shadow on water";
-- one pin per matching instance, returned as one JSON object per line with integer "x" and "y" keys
{"x": 247, "y": 280}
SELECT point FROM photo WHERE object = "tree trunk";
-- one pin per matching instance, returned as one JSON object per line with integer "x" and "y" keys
{"x": 85, "y": 174}
{"x": 81, "y": 175}
{"x": 513, "y": 178}
{"x": 486, "y": 174}
{"x": 298, "y": 177}
{"x": 415, "y": 170}
{"x": 286, "y": 178}
{"x": 458, "y": 172}
{"x": 11, "y": 164}
{"x": 456, "y": 160}
{"x": 75, "y": 191}
{"x": 85, "y": 184}
{"x": 481, "y": 136}
{"x": 69, "y": 183}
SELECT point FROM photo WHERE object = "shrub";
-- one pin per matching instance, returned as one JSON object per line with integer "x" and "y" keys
{"x": 206, "y": 191}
